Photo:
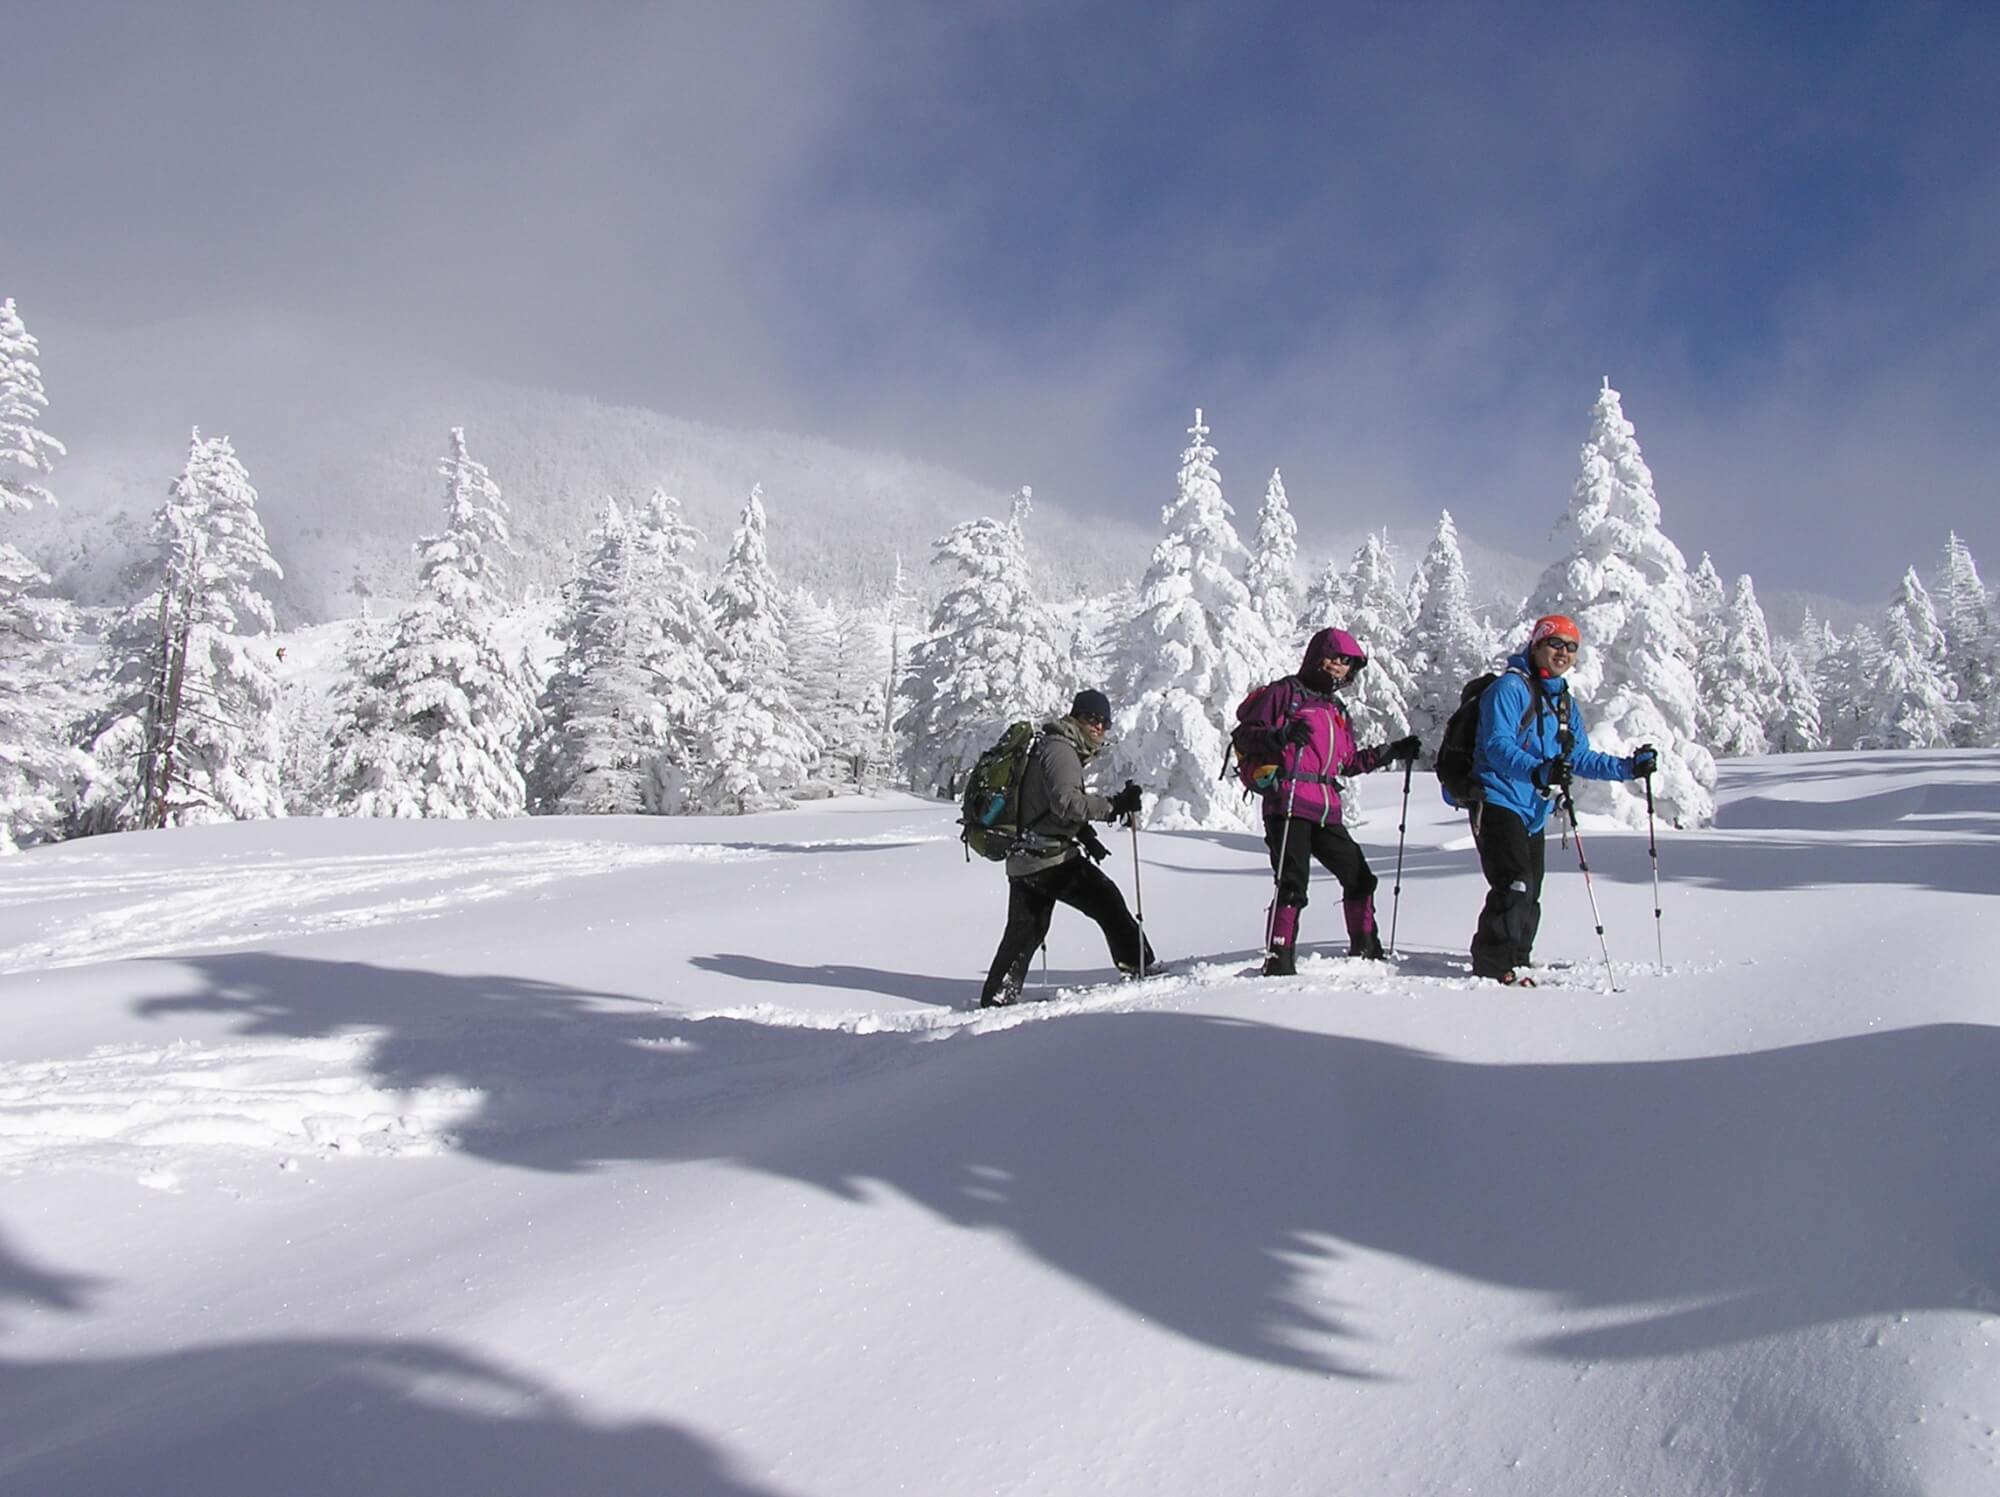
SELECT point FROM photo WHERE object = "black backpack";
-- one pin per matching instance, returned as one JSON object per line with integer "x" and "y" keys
{"x": 989, "y": 818}
{"x": 1461, "y": 732}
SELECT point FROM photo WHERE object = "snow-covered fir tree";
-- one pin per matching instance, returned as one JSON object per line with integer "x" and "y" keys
{"x": 832, "y": 670}
{"x": 1814, "y": 640}
{"x": 1447, "y": 645}
{"x": 39, "y": 700}
{"x": 1796, "y": 727}
{"x": 1325, "y": 596}
{"x": 679, "y": 643}
{"x": 753, "y": 753}
{"x": 1270, "y": 576}
{"x": 1914, "y": 703}
{"x": 27, "y": 453}
{"x": 1745, "y": 699}
{"x": 1367, "y": 600}
{"x": 1626, "y": 585}
{"x": 1093, "y": 633}
{"x": 623, "y": 711}
{"x": 850, "y": 729}
{"x": 1845, "y": 684}
{"x": 745, "y": 602}
{"x": 811, "y": 645}
{"x": 756, "y": 746}
{"x": 1708, "y": 626}
{"x": 990, "y": 657}
{"x": 1192, "y": 652}
{"x": 191, "y": 731}
{"x": 306, "y": 719}
{"x": 37, "y": 768}
{"x": 435, "y": 723}
{"x": 1972, "y": 645}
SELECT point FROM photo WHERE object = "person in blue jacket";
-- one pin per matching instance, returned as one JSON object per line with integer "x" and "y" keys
{"x": 1529, "y": 747}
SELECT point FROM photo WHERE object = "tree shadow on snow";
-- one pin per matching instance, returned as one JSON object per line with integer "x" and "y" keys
{"x": 313, "y": 1418}
{"x": 1215, "y": 1175}
{"x": 1970, "y": 805}
{"x": 327, "y": 1418}
{"x": 22, "y": 1282}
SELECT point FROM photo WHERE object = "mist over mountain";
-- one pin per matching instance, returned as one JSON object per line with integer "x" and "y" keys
{"x": 344, "y": 451}
{"x": 343, "y": 442}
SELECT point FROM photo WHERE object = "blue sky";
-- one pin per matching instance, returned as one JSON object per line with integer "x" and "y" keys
{"x": 1391, "y": 248}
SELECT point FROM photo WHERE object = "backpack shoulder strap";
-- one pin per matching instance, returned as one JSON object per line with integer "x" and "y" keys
{"x": 1536, "y": 705}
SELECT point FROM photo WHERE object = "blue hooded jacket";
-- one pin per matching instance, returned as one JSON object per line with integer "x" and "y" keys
{"x": 1508, "y": 750}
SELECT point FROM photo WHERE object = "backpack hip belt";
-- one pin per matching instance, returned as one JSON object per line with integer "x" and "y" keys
{"x": 1308, "y": 779}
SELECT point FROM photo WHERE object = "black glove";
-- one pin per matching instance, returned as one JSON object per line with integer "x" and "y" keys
{"x": 1553, "y": 774}
{"x": 1092, "y": 844}
{"x": 1298, "y": 731}
{"x": 1645, "y": 759}
{"x": 1404, "y": 750}
{"x": 1126, "y": 801}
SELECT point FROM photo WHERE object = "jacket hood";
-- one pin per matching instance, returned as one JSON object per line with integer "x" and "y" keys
{"x": 1329, "y": 643}
{"x": 1070, "y": 731}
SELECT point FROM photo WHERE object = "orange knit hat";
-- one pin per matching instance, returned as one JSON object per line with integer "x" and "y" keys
{"x": 1555, "y": 625}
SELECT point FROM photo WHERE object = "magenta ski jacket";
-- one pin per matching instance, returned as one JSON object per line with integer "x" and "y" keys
{"x": 1308, "y": 774}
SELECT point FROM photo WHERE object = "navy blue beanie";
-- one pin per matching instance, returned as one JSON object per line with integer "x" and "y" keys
{"x": 1091, "y": 706}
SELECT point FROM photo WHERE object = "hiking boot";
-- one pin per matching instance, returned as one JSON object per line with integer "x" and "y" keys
{"x": 1281, "y": 961}
{"x": 1153, "y": 969}
{"x": 1368, "y": 946}
{"x": 1515, "y": 978}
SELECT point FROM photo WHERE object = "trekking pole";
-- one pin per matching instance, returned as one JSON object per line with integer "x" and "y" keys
{"x": 1653, "y": 851}
{"x": 1569, "y": 810}
{"x": 1403, "y": 826}
{"x": 1278, "y": 873}
{"x": 1138, "y": 893}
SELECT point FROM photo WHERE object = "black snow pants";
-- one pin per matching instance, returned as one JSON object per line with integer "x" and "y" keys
{"x": 1513, "y": 862}
{"x": 1305, "y": 842}
{"x": 1032, "y": 899}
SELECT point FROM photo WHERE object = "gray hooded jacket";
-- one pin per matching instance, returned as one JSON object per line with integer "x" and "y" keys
{"x": 1054, "y": 804}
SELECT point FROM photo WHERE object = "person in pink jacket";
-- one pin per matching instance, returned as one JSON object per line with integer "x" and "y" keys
{"x": 1297, "y": 731}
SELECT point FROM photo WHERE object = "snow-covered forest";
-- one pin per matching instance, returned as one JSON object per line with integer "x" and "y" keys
{"x": 645, "y": 686}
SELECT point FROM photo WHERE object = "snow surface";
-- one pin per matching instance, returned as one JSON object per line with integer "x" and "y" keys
{"x": 631, "y": 1155}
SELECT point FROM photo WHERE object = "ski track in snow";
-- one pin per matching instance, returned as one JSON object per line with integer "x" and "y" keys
{"x": 249, "y": 902}
{"x": 148, "y": 1106}
{"x": 288, "y": 1096}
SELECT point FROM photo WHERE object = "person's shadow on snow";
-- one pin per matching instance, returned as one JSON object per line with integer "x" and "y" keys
{"x": 1213, "y": 1175}
{"x": 915, "y": 987}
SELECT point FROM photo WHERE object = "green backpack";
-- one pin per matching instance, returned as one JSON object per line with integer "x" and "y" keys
{"x": 990, "y": 810}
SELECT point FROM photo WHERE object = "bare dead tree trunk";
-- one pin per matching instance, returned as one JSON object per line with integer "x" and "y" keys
{"x": 164, "y": 710}
{"x": 151, "y": 784}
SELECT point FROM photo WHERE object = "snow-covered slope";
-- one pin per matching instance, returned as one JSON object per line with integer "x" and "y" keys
{"x": 670, "y": 1156}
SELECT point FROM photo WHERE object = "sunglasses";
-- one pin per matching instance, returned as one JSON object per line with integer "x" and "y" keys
{"x": 1560, "y": 646}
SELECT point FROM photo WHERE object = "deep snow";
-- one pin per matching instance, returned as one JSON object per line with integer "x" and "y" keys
{"x": 669, "y": 1156}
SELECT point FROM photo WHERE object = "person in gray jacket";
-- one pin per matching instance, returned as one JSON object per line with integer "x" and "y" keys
{"x": 1047, "y": 866}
